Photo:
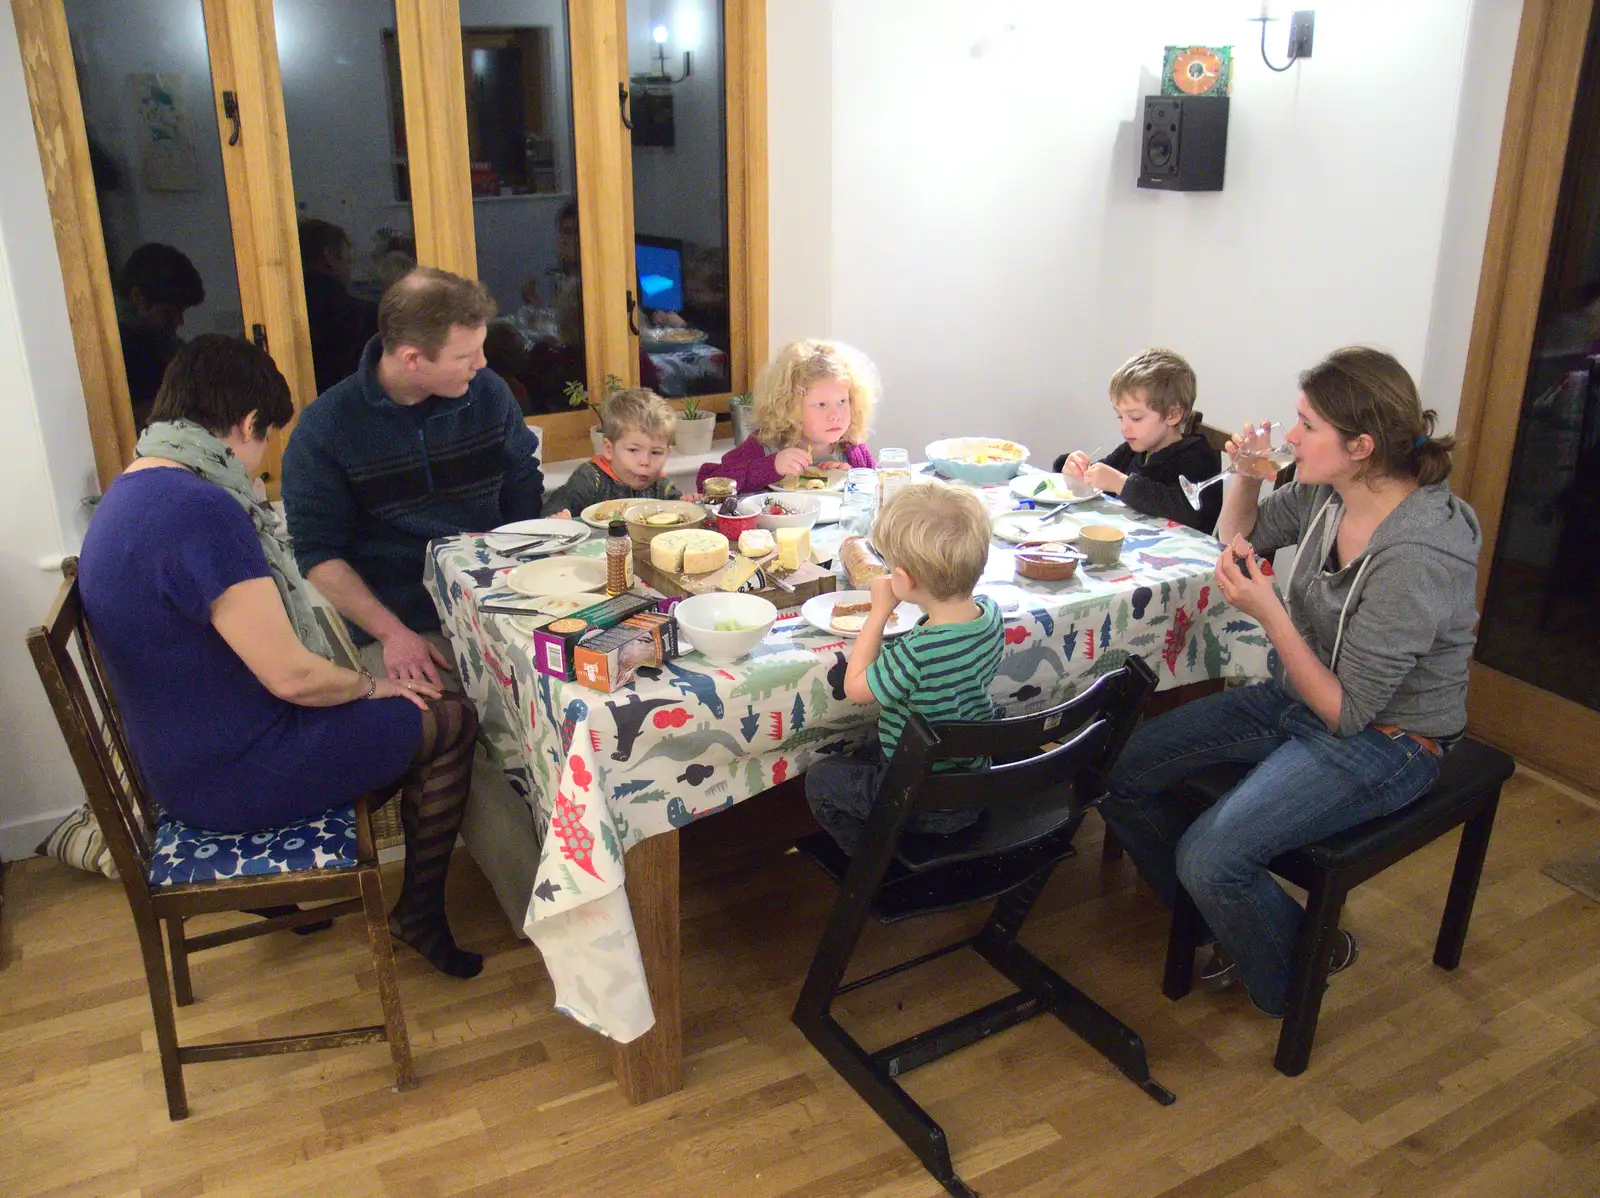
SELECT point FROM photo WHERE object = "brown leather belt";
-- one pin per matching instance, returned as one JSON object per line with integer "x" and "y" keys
{"x": 1394, "y": 730}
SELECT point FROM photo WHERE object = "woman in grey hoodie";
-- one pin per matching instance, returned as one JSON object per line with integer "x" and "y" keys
{"x": 1373, "y": 632}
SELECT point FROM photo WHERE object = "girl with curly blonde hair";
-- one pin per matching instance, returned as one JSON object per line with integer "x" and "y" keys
{"x": 813, "y": 403}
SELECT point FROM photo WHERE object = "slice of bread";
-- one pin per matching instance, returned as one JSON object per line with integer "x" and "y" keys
{"x": 847, "y": 623}
{"x": 852, "y": 609}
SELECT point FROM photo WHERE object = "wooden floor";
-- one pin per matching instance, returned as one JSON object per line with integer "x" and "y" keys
{"x": 1485, "y": 1082}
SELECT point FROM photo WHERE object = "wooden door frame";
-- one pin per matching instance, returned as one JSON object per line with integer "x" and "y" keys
{"x": 242, "y": 40}
{"x": 58, "y": 126}
{"x": 1533, "y": 724}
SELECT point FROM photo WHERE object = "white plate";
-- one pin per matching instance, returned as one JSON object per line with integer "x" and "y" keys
{"x": 1023, "y": 485}
{"x": 832, "y": 502}
{"x": 818, "y": 612}
{"x": 1024, "y": 526}
{"x": 509, "y": 536}
{"x": 599, "y": 515}
{"x": 558, "y": 576}
{"x": 835, "y": 481}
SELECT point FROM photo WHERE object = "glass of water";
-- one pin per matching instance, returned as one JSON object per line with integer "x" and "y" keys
{"x": 860, "y": 502}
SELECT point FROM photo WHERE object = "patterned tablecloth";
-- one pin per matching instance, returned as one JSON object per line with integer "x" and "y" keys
{"x": 605, "y": 771}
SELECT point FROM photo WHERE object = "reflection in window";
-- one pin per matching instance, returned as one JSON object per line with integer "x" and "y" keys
{"x": 145, "y": 81}
{"x": 1543, "y": 599}
{"x": 680, "y": 204}
{"x": 525, "y": 211}
{"x": 347, "y": 138}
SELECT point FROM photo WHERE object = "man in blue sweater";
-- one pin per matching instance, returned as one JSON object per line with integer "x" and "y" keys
{"x": 421, "y": 442}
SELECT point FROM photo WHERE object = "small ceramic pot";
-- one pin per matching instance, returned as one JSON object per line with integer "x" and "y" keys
{"x": 693, "y": 437}
{"x": 739, "y": 413}
{"x": 732, "y": 526}
{"x": 1047, "y": 561}
{"x": 1100, "y": 543}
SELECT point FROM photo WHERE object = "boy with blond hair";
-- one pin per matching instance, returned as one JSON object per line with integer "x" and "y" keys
{"x": 935, "y": 540}
{"x": 1153, "y": 393}
{"x": 636, "y": 437}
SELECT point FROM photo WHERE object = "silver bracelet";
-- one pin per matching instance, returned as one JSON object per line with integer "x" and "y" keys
{"x": 372, "y": 683}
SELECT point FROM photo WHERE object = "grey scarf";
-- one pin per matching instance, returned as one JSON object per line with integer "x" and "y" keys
{"x": 190, "y": 445}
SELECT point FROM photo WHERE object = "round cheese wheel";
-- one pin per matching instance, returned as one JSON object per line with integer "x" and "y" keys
{"x": 689, "y": 551}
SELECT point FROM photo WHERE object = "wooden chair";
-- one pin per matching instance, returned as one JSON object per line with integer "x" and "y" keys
{"x": 1032, "y": 805}
{"x": 1466, "y": 795}
{"x": 144, "y": 846}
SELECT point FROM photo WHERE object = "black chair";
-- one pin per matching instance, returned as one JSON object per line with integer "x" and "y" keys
{"x": 1466, "y": 794}
{"x": 1031, "y": 806}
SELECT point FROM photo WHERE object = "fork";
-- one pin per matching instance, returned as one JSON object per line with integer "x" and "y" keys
{"x": 543, "y": 543}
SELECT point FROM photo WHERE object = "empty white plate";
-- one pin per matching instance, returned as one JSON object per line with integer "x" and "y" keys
{"x": 1024, "y": 526}
{"x": 558, "y": 576}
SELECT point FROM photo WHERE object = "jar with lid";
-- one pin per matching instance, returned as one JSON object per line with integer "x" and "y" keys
{"x": 718, "y": 495}
{"x": 860, "y": 502}
{"x": 894, "y": 472}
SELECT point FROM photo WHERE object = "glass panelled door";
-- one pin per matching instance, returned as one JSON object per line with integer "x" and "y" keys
{"x": 144, "y": 75}
{"x": 1538, "y": 638}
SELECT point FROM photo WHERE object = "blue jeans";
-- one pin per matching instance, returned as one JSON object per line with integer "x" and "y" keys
{"x": 842, "y": 789}
{"x": 1307, "y": 784}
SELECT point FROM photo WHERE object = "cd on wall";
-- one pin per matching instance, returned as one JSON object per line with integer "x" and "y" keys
{"x": 1197, "y": 71}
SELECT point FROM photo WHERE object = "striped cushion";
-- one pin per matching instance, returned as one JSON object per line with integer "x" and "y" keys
{"x": 78, "y": 841}
{"x": 184, "y": 854}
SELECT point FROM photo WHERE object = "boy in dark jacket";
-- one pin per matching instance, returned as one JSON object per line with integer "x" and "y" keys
{"x": 1153, "y": 393}
{"x": 636, "y": 426}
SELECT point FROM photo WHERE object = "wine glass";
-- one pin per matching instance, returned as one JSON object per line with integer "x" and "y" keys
{"x": 1263, "y": 462}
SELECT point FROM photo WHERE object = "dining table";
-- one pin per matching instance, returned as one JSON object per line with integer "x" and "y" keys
{"x": 612, "y": 777}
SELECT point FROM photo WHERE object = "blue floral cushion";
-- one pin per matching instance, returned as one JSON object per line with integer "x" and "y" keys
{"x": 184, "y": 854}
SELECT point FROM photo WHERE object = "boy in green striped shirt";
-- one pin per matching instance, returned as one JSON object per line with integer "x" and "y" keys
{"x": 935, "y": 540}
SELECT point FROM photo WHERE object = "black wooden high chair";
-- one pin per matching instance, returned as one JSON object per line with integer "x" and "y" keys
{"x": 1054, "y": 764}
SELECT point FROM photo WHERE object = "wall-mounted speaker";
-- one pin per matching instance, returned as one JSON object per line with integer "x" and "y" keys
{"x": 1184, "y": 146}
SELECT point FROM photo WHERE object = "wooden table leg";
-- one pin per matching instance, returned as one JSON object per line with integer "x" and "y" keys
{"x": 652, "y": 1065}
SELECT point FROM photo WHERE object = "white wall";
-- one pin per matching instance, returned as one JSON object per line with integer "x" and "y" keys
{"x": 988, "y": 247}
{"x": 800, "y": 168}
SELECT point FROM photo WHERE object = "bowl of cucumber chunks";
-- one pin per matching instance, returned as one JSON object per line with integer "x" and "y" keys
{"x": 724, "y": 627}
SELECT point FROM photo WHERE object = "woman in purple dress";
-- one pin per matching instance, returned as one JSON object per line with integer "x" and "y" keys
{"x": 236, "y": 714}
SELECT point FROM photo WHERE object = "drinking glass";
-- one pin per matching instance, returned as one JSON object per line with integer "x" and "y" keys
{"x": 860, "y": 501}
{"x": 1263, "y": 463}
{"x": 894, "y": 472}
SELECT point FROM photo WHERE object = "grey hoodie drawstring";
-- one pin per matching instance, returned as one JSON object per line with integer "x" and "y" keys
{"x": 1338, "y": 636}
{"x": 1355, "y": 583}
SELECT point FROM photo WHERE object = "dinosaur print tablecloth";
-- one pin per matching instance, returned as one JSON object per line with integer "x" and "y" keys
{"x": 605, "y": 771}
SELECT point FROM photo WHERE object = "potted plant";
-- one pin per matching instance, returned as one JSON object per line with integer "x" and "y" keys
{"x": 695, "y": 428}
{"x": 739, "y": 411}
{"x": 578, "y": 397}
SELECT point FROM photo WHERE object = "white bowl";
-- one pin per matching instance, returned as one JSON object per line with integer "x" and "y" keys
{"x": 946, "y": 457}
{"x": 804, "y": 510}
{"x": 698, "y": 616}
